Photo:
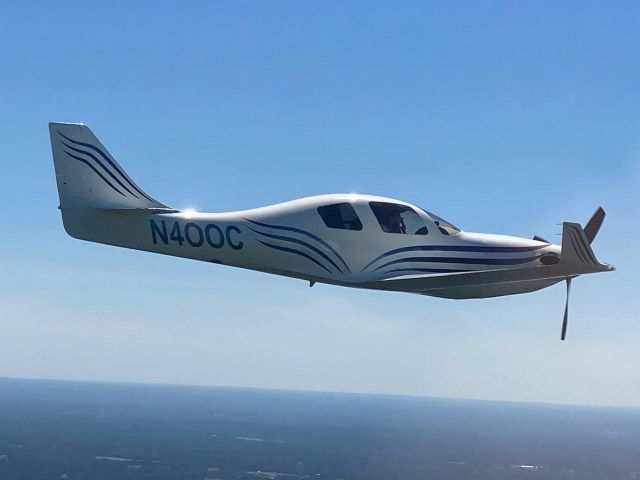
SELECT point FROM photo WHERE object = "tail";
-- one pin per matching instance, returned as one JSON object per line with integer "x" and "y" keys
{"x": 576, "y": 256}
{"x": 88, "y": 176}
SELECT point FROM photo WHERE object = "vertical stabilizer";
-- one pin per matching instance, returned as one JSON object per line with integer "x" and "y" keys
{"x": 88, "y": 176}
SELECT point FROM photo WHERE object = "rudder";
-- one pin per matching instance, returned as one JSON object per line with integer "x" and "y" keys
{"x": 88, "y": 176}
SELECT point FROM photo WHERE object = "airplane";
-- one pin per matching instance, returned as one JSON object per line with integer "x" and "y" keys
{"x": 350, "y": 240}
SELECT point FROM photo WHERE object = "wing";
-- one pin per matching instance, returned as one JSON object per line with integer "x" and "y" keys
{"x": 577, "y": 258}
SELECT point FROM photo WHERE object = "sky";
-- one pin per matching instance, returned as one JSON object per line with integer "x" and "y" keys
{"x": 504, "y": 117}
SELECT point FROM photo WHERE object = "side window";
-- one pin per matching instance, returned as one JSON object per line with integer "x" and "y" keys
{"x": 394, "y": 218}
{"x": 340, "y": 215}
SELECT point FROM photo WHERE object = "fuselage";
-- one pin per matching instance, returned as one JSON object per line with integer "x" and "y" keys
{"x": 343, "y": 239}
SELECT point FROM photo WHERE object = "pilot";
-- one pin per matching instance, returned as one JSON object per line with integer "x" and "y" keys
{"x": 396, "y": 223}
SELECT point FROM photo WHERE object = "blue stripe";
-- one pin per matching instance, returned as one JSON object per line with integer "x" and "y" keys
{"x": 102, "y": 165}
{"x": 470, "y": 261}
{"x": 299, "y": 242}
{"x": 303, "y": 232}
{"x": 429, "y": 270}
{"x": 296, "y": 252}
{"x": 80, "y": 159}
{"x": 576, "y": 249}
{"x": 454, "y": 248}
{"x": 582, "y": 247}
{"x": 106, "y": 157}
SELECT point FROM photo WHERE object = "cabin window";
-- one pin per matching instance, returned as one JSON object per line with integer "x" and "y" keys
{"x": 340, "y": 215}
{"x": 445, "y": 227}
{"x": 394, "y": 218}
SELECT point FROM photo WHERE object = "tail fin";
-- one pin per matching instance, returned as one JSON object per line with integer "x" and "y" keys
{"x": 577, "y": 257}
{"x": 88, "y": 176}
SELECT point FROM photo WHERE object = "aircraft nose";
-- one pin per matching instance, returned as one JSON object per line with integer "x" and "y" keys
{"x": 533, "y": 250}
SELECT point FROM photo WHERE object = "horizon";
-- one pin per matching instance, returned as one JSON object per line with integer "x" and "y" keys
{"x": 325, "y": 392}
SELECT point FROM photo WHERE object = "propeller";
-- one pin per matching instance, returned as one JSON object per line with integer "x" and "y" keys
{"x": 594, "y": 223}
{"x": 565, "y": 320}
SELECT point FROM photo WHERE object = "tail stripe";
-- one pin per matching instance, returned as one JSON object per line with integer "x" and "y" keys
{"x": 106, "y": 157}
{"x": 80, "y": 159}
{"x": 102, "y": 165}
{"x": 576, "y": 248}
{"x": 583, "y": 252}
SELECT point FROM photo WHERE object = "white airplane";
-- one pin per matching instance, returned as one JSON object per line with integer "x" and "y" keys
{"x": 350, "y": 240}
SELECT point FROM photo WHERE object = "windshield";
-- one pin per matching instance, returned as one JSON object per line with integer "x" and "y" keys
{"x": 445, "y": 227}
{"x": 394, "y": 218}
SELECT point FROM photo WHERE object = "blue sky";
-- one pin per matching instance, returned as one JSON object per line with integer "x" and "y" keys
{"x": 505, "y": 117}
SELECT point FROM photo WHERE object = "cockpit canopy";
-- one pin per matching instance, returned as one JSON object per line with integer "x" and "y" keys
{"x": 445, "y": 227}
{"x": 392, "y": 217}
{"x": 395, "y": 218}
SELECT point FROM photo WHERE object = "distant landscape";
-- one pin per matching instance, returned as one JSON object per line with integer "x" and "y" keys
{"x": 75, "y": 430}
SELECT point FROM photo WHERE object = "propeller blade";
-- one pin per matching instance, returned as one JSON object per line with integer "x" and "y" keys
{"x": 565, "y": 320}
{"x": 594, "y": 223}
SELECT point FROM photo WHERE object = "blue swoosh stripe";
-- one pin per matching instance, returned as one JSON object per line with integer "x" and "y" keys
{"x": 102, "y": 165}
{"x": 470, "y": 261}
{"x": 577, "y": 244}
{"x": 80, "y": 159}
{"x": 106, "y": 157}
{"x": 454, "y": 248}
{"x": 429, "y": 270}
{"x": 296, "y": 252}
{"x": 303, "y": 232}
{"x": 299, "y": 242}
{"x": 577, "y": 250}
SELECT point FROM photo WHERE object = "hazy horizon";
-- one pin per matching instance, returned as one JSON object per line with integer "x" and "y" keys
{"x": 328, "y": 392}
